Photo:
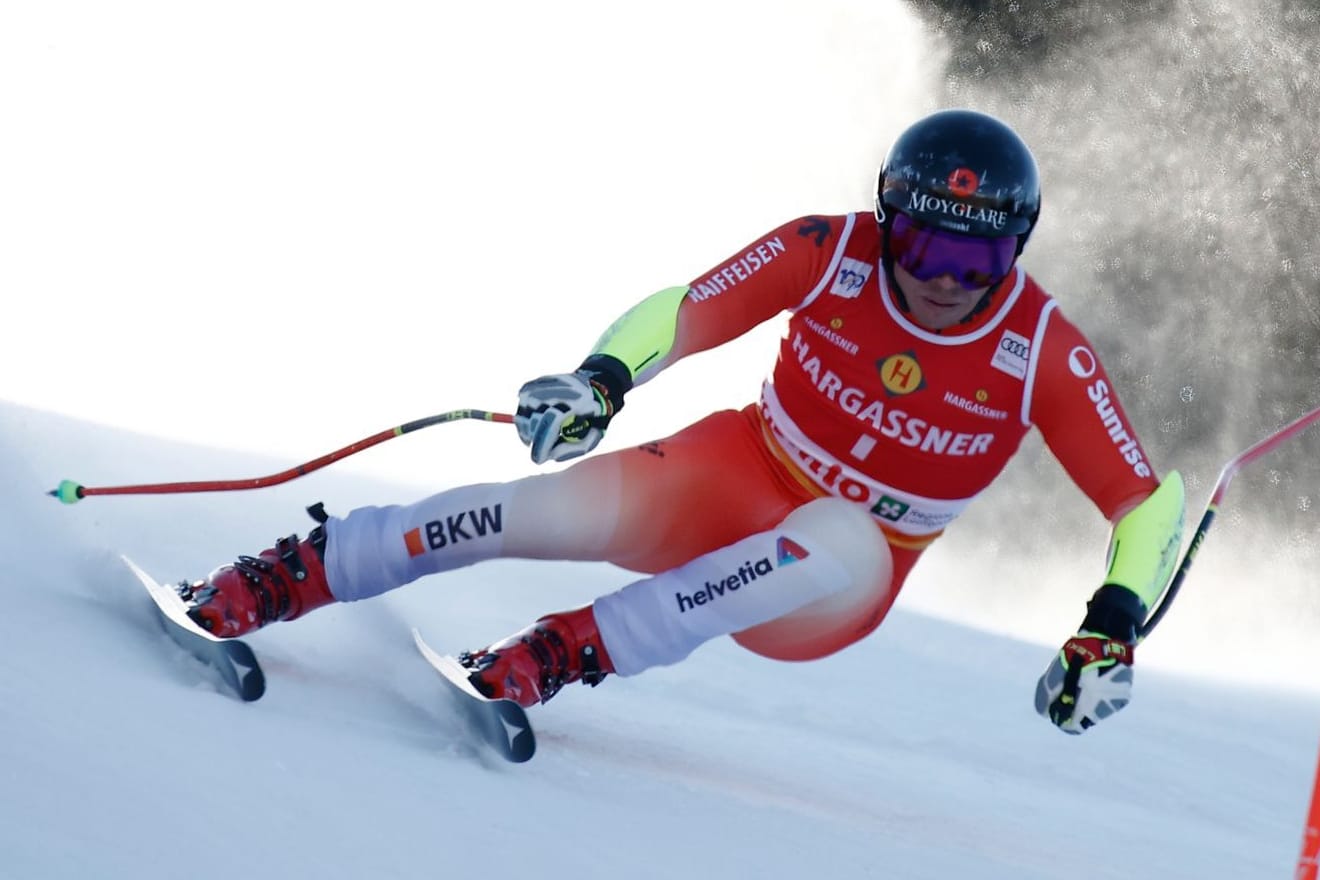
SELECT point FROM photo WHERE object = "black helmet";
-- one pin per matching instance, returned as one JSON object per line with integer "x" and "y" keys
{"x": 962, "y": 171}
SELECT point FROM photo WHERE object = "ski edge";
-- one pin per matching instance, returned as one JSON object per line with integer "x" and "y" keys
{"x": 492, "y": 720}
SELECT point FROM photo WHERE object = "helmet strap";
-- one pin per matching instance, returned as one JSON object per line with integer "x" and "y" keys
{"x": 886, "y": 222}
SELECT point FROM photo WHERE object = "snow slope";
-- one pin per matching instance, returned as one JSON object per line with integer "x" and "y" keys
{"x": 913, "y": 755}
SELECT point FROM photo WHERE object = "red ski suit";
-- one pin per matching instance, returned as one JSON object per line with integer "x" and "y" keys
{"x": 862, "y": 404}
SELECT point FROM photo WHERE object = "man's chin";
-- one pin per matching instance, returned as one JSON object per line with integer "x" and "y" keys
{"x": 939, "y": 317}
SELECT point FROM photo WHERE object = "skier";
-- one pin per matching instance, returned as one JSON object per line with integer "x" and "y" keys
{"x": 918, "y": 354}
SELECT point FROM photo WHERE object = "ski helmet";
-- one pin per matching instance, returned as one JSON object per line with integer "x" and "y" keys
{"x": 963, "y": 172}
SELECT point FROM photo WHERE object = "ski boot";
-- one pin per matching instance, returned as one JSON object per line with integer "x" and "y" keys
{"x": 282, "y": 583}
{"x": 531, "y": 666}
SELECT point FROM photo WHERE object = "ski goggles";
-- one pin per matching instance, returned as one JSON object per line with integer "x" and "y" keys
{"x": 927, "y": 253}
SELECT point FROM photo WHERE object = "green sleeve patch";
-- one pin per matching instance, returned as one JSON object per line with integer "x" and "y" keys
{"x": 644, "y": 335}
{"x": 1144, "y": 548}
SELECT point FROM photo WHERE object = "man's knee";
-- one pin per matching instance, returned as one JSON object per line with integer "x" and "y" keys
{"x": 849, "y": 534}
{"x": 847, "y": 531}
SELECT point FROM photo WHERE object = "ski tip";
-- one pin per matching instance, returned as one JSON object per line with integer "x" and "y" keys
{"x": 67, "y": 491}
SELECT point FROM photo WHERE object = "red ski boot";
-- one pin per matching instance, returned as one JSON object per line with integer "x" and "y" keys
{"x": 282, "y": 583}
{"x": 531, "y": 666}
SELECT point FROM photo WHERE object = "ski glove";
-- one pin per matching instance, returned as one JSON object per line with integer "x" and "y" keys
{"x": 565, "y": 415}
{"x": 1091, "y": 678}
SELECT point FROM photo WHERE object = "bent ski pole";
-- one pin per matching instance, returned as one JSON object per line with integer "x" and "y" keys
{"x": 1245, "y": 457}
{"x": 70, "y": 492}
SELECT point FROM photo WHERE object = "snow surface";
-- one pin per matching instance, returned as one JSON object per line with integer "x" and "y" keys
{"x": 915, "y": 754}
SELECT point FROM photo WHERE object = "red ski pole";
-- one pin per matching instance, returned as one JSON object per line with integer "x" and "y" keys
{"x": 1308, "y": 861}
{"x": 1226, "y": 475}
{"x": 70, "y": 492}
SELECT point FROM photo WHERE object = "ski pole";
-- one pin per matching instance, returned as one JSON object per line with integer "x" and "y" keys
{"x": 1245, "y": 457}
{"x": 1309, "y": 861}
{"x": 70, "y": 492}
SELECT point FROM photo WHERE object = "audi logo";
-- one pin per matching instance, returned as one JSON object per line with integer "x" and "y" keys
{"x": 1015, "y": 348}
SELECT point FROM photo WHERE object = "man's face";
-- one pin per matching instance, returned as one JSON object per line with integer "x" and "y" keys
{"x": 938, "y": 303}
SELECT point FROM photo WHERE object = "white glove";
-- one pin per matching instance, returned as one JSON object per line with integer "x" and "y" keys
{"x": 1089, "y": 680}
{"x": 561, "y": 416}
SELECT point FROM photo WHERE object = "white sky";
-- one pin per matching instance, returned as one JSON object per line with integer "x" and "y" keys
{"x": 328, "y": 219}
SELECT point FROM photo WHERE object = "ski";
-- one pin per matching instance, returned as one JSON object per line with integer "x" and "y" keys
{"x": 233, "y": 661}
{"x": 500, "y": 724}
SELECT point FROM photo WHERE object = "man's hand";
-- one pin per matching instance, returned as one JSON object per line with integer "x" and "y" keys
{"x": 1088, "y": 681}
{"x": 1091, "y": 678}
{"x": 564, "y": 415}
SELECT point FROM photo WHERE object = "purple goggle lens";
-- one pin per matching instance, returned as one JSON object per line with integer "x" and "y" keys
{"x": 927, "y": 253}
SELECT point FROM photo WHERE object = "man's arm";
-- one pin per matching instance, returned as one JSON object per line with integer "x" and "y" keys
{"x": 771, "y": 274}
{"x": 1079, "y": 415}
{"x": 564, "y": 415}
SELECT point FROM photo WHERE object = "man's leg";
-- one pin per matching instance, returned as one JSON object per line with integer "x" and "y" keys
{"x": 827, "y": 556}
{"x": 646, "y": 508}
{"x": 830, "y": 625}
{"x": 825, "y": 562}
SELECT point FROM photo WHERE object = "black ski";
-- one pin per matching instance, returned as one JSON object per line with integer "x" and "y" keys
{"x": 233, "y": 661}
{"x": 500, "y": 724}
